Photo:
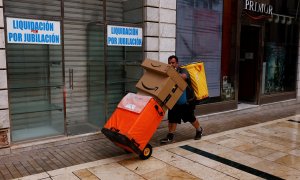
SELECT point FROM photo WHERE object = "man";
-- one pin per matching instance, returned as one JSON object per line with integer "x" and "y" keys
{"x": 184, "y": 111}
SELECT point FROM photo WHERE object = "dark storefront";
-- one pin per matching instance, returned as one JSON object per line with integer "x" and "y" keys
{"x": 268, "y": 51}
{"x": 249, "y": 48}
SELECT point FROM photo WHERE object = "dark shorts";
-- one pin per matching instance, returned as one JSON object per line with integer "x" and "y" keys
{"x": 182, "y": 112}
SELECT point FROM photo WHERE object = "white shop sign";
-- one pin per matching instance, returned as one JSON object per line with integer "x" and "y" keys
{"x": 124, "y": 36}
{"x": 258, "y": 7}
{"x": 31, "y": 31}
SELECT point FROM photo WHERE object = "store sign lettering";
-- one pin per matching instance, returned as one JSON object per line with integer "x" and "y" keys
{"x": 124, "y": 36}
{"x": 258, "y": 7}
{"x": 31, "y": 31}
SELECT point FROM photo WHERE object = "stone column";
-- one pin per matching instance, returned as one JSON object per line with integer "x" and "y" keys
{"x": 160, "y": 29}
{"x": 4, "y": 114}
{"x": 298, "y": 73}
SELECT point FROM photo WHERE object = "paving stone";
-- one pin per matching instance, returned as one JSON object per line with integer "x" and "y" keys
{"x": 36, "y": 166}
{"x": 29, "y": 167}
{"x": 62, "y": 159}
{"x": 41, "y": 158}
{"x": 21, "y": 169}
{"x": 1, "y": 176}
{"x": 5, "y": 172}
{"x": 13, "y": 171}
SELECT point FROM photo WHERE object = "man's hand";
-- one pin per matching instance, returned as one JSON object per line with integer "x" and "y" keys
{"x": 184, "y": 76}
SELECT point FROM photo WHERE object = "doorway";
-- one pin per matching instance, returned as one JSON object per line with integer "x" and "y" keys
{"x": 248, "y": 64}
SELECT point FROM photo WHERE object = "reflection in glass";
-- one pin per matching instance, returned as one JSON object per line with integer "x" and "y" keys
{"x": 199, "y": 38}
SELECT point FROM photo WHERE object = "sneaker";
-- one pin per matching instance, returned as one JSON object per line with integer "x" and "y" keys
{"x": 199, "y": 134}
{"x": 168, "y": 139}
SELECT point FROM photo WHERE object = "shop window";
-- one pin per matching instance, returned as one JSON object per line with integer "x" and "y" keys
{"x": 84, "y": 65}
{"x": 123, "y": 62}
{"x": 70, "y": 88}
{"x": 199, "y": 38}
{"x": 281, "y": 50}
{"x": 35, "y": 91}
{"x": 99, "y": 74}
{"x": 35, "y": 78}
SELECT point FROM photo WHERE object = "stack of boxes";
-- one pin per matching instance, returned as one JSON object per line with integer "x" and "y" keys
{"x": 161, "y": 81}
{"x": 136, "y": 118}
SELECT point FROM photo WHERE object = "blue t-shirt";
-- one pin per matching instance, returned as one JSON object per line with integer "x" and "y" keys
{"x": 188, "y": 94}
{"x": 182, "y": 99}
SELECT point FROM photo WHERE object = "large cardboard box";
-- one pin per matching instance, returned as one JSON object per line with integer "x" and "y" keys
{"x": 164, "y": 69}
{"x": 161, "y": 81}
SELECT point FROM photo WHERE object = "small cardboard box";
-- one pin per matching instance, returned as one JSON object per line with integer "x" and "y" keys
{"x": 161, "y": 81}
{"x": 164, "y": 69}
{"x": 144, "y": 93}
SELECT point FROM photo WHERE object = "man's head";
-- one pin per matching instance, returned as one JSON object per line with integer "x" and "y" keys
{"x": 173, "y": 61}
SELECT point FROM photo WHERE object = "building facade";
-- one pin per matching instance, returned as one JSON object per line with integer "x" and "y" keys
{"x": 249, "y": 47}
{"x": 63, "y": 70}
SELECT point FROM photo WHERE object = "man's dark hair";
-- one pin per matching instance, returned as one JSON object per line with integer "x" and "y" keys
{"x": 173, "y": 56}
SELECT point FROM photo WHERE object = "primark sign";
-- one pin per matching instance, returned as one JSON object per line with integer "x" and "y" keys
{"x": 258, "y": 7}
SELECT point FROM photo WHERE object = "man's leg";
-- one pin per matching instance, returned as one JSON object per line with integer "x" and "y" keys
{"x": 170, "y": 135}
{"x": 199, "y": 129}
{"x": 196, "y": 124}
{"x": 174, "y": 117}
{"x": 189, "y": 115}
{"x": 172, "y": 127}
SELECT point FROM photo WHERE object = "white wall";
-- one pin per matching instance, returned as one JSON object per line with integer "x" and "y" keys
{"x": 4, "y": 114}
{"x": 160, "y": 29}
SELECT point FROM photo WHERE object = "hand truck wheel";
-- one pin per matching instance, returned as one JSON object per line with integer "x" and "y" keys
{"x": 146, "y": 153}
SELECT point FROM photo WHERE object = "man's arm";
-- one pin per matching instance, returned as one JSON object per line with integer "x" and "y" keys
{"x": 184, "y": 74}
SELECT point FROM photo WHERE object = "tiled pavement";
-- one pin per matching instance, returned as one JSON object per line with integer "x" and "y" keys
{"x": 269, "y": 150}
{"x": 34, "y": 161}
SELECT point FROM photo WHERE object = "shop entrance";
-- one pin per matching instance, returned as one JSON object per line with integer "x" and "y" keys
{"x": 248, "y": 64}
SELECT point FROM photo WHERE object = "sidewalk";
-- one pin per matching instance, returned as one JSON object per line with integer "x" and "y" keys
{"x": 42, "y": 158}
{"x": 268, "y": 150}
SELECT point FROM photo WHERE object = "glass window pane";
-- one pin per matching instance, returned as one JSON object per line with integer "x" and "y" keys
{"x": 35, "y": 91}
{"x": 124, "y": 71}
{"x": 35, "y": 82}
{"x": 96, "y": 74}
{"x": 33, "y": 7}
{"x": 281, "y": 47}
{"x": 127, "y": 11}
{"x": 123, "y": 63}
{"x": 199, "y": 37}
{"x": 84, "y": 65}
